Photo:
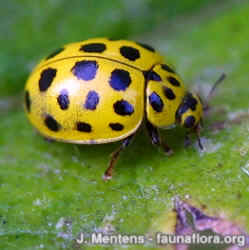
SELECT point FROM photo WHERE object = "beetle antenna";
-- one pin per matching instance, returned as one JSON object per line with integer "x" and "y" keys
{"x": 220, "y": 79}
{"x": 210, "y": 94}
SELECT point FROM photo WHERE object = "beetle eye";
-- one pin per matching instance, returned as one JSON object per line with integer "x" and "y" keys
{"x": 189, "y": 122}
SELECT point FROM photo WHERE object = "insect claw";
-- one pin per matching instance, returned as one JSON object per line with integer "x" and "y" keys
{"x": 106, "y": 177}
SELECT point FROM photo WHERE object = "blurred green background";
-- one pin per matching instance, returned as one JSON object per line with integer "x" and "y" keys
{"x": 31, "y": 29}
{"x": 50, "y": 192}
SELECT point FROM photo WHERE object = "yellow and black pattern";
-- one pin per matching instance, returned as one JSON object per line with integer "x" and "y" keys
{"x": 86, "y": 100}
{"x": 137, "y": 55}
{"x": 164, "y": 95}
{"x": 100, "y": 90}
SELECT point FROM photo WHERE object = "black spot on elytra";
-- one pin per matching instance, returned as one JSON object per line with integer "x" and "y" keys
{"x": 85, "y": 70}
{"x": 51, "y": 123}
{"x": 130, "y": 53}
{"x": 63, "y": 99}
{"x": 27, "y": 100}
{"x": 168, "y": 92}
{"x": 46, "y": 78}
{"x": 167, "y": 68}
{"x": 153, "y": 76}
{"x": 116, "y": 126}
{"x": 173, "y": 81}
{"x": 84, "y": 127}
{"x": 92, "y": 100}
{"x": 123, "y": 107}
{"x": 146, "y": 46}
{"x": 120, "y": 79}
{"x": 93, "y": 47}
{"x": 156, "y": 102}
{"x": 55, "y": 53}
{"x": 189, "y": 122}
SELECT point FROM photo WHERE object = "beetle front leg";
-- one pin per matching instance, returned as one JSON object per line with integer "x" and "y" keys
{"x": 156, "y": 140}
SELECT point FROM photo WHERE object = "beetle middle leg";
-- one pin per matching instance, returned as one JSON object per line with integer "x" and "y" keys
{"x": 115, "y": 156}
{"x": 156, "y": 140}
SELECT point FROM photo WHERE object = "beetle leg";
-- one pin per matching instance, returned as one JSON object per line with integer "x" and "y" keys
{"x": 156, "y": 140}
{"x": 197, "y": 131}
{"x": 187, "y": 140}
{"x": 115, "y": 156}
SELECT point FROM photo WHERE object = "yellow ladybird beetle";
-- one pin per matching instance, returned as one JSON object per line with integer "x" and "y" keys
{"x": 101, "y": 90}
